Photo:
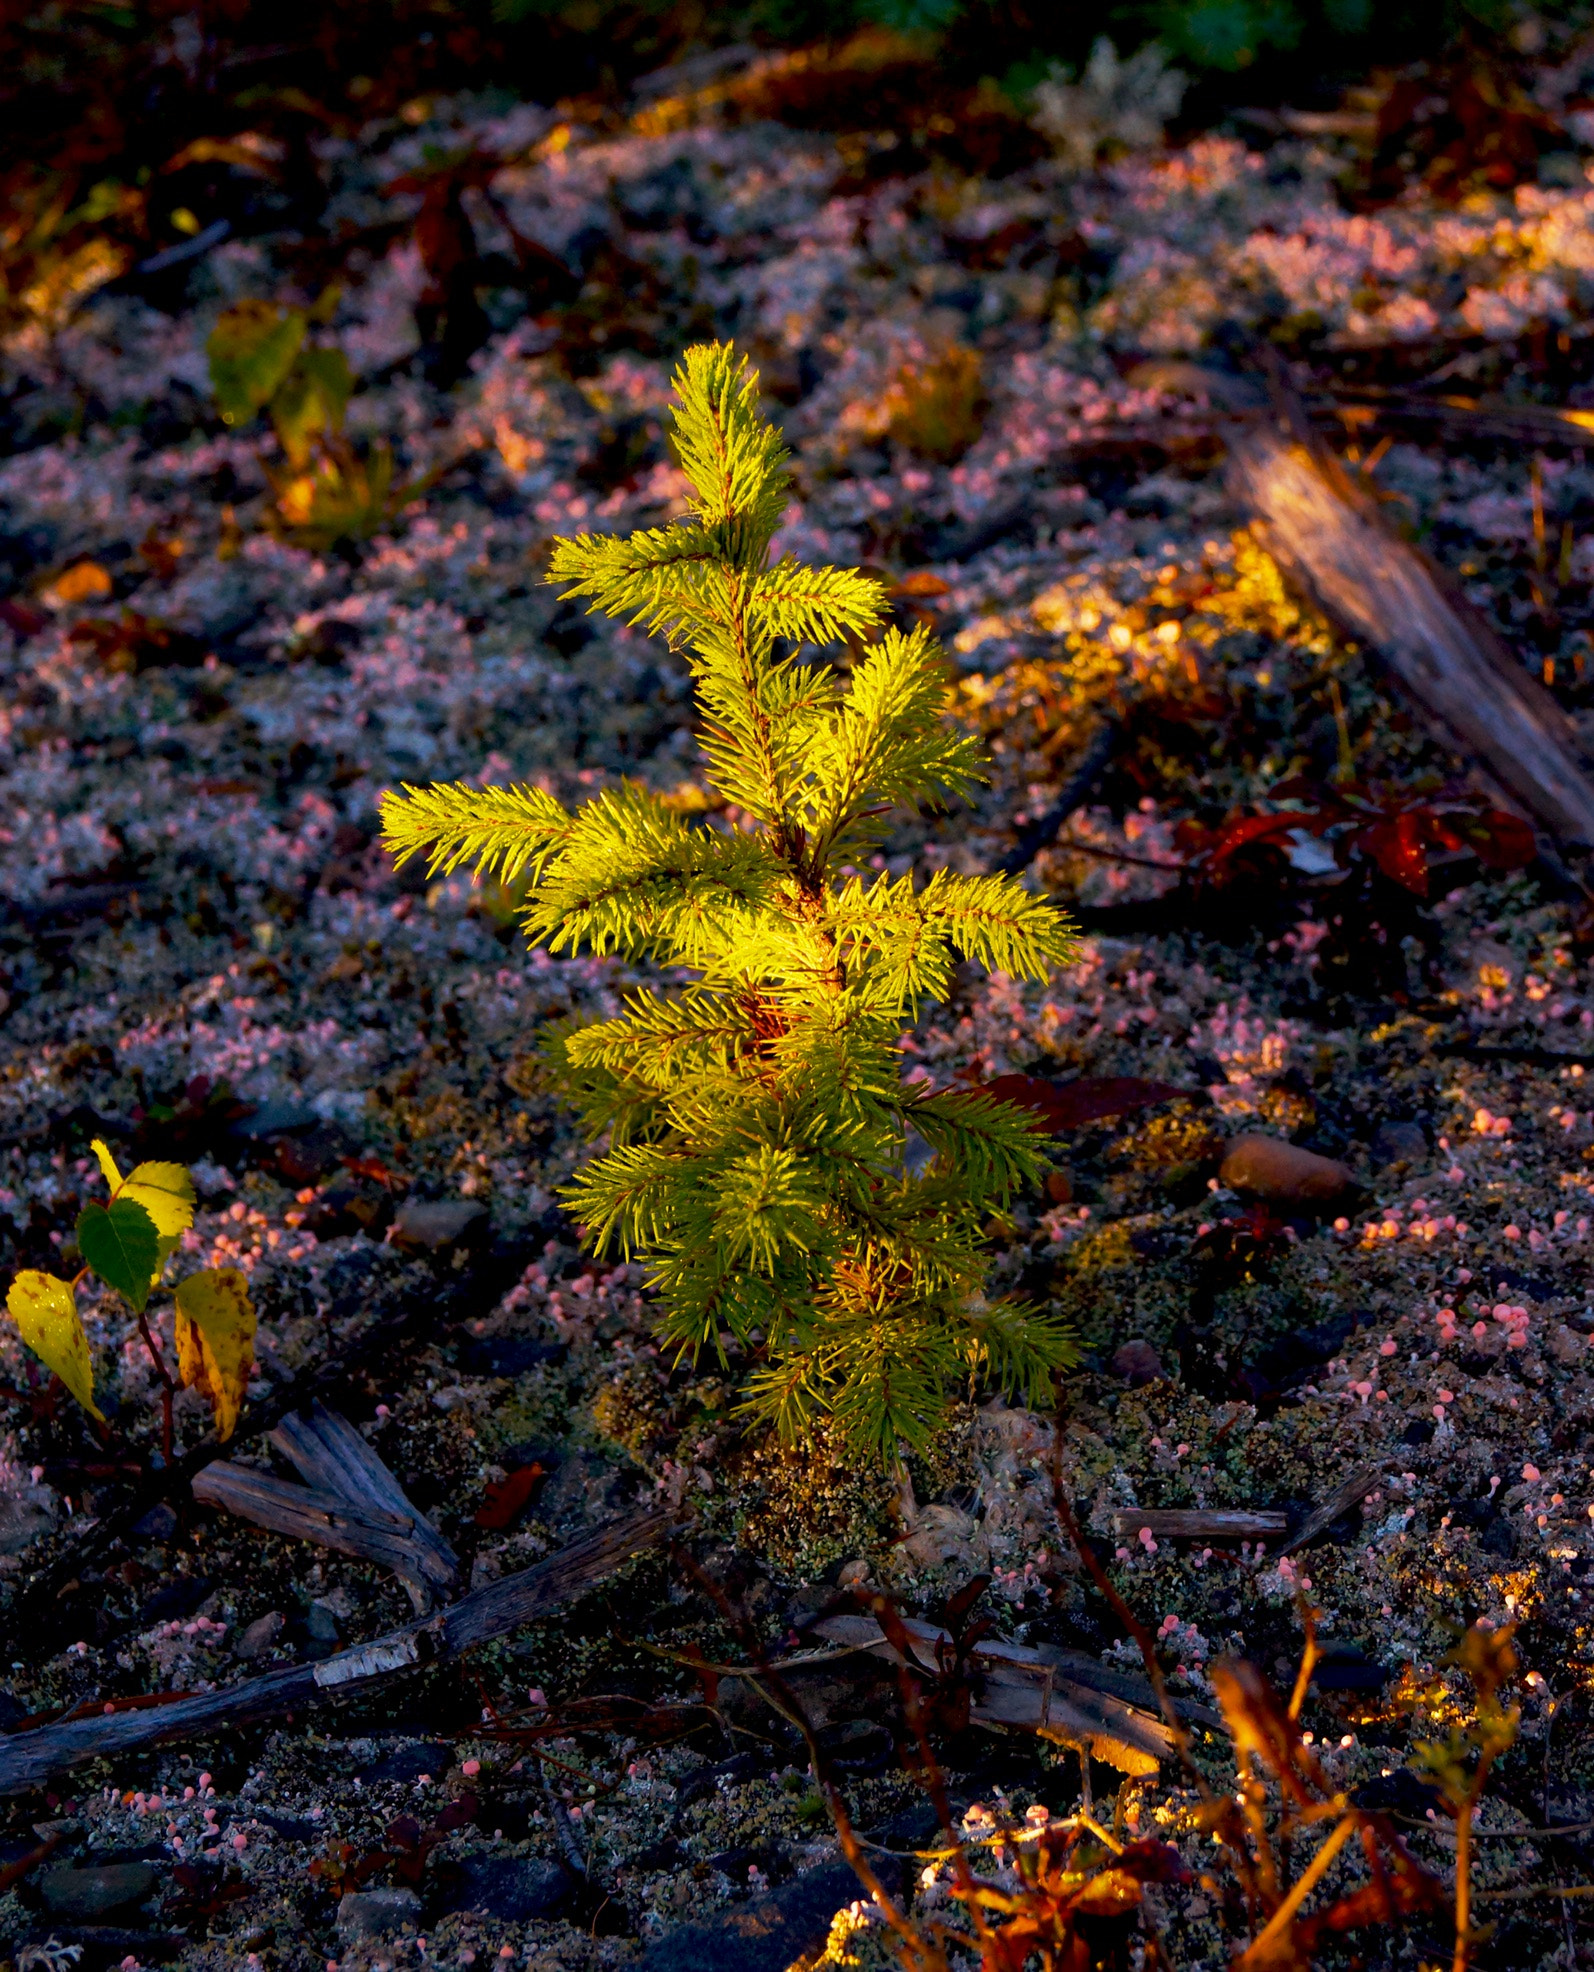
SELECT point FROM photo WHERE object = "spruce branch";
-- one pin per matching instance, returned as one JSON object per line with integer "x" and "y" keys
{"x": 504, "y": 831}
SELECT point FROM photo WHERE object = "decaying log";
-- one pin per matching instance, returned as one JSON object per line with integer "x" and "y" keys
{"x": 1383, "y": 592}
{"x": 352, "y": 1502}
{"x": 1199, "y": 1524}
{"x": 1058, "y": 1694}
{"x": 28, "y": 1759}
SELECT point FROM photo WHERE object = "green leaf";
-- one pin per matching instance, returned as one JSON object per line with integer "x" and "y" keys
{"x": 122, "y": 1245}
{"x": 310, "y": 401}
{"x": 47, "y": 1319}
{"x": 251, "y": 350}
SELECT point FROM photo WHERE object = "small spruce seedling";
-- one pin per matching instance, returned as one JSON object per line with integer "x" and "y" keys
{"x": 756, "y": 1121}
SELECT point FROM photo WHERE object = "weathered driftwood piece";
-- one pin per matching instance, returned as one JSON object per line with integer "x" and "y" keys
{"x": 1024, "y": 1686}
{"x": 1354, "y": 1490}
{"x": 352, "y": 1502}
{"x": 28, "y": 1759}
{"x": 1198, "y": 1523}
{"x": 1383, "y": 592}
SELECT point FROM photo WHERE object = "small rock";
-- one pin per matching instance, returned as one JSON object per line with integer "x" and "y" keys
{"x": 852, "y": 1574}
{"x": 1283, "y": 1172}
{"x": 429, "y": 1225}
{"x": 940, "y": 1534}
{"x": 260, "y": 1636}
{"x": 1567, "y": 1346}
{"x": 94, "y": 1890}
{"x": 763, "y": 1935}
{"x": 410, "y": 1762}
{"x": 508, "y": 1355}
{"x": 321, "y": 1620}
{"x": 276, "y": 1119}
{"x": 1060, "y": 1186}
{"x": 376, "y": 1913}
{"x": 23, "y": 1519}
{"x": 1499, "y": 1538}
{"x": 1137, "y": 1362}
{"x": 158, "y": 1525}
{"x": 1399, "y": 1143}
{"x": 509, "y": 1888}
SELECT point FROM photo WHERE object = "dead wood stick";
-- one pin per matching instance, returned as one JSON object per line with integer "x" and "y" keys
{"x": 1200, "y": 1523}
{"x": 28, "y": 1759}
{"x": 1354, "y": 1490}
{"x": 329, "y": 1453}
{"x": 1525, "y": 424}
{"x": 1036, "y": 835}
{"x": 309, "y": 1513}
{"x": 1383, "y": 592}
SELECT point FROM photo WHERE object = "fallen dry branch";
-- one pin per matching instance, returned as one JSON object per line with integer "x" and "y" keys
{"x": 1380, "y": 590}
{"x": 1077, "y": 789}
{"x": 1200, "y": 1524}
{"x": 1351, "y": 1493}
{"x": 351, "y": 1503}
{"x": 1030, "y": 1688}
{"x": 28, "y": 1759}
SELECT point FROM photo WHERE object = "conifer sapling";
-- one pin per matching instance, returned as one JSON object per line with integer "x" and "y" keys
{"x": 755, "y": 1123}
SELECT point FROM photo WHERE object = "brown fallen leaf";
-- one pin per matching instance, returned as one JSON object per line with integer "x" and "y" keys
{"x": 1090, "y": 1099}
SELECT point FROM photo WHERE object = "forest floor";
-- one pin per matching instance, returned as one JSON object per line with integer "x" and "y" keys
{"x": 205, "y": 954}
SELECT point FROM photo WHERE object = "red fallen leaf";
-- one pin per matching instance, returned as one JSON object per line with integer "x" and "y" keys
{"x": 459, "y": 1813}
{"x": 375, "y": 1169}
{"x": 1400, "y": 849}
{"x": 506, "y": 1498}
{"x": 1070, "y": 1105}
{"x": 1501, "y": 841}
{"x": 21, "y": 618}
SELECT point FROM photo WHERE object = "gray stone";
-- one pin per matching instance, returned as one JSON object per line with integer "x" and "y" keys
{"x": 1399, "y": 1143}
{"x": 377, "y": 1913}
{"x": 260, "y": 1636}
{"x": 510, "y": 1888}
{"x": 158, "y": 1525}
{"x": 763, "y": 1935}
{"x": 321, "y": 1620}
{"x": 430, "y": 1225}
{"x": 93, "y": 1890}
{"x": 410, "y": 1762}
{"x": 1137, "y": 1362}
{"x": 276, "y": 1119}
{"x": 23, "y": 1518}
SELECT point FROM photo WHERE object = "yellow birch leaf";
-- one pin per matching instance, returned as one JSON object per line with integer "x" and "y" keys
{"x": 46, "y": 1316}
{"x": 108, "y": 1170}
{"x": 216, "y": 1341}
{"x": 166, "y": 1193}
